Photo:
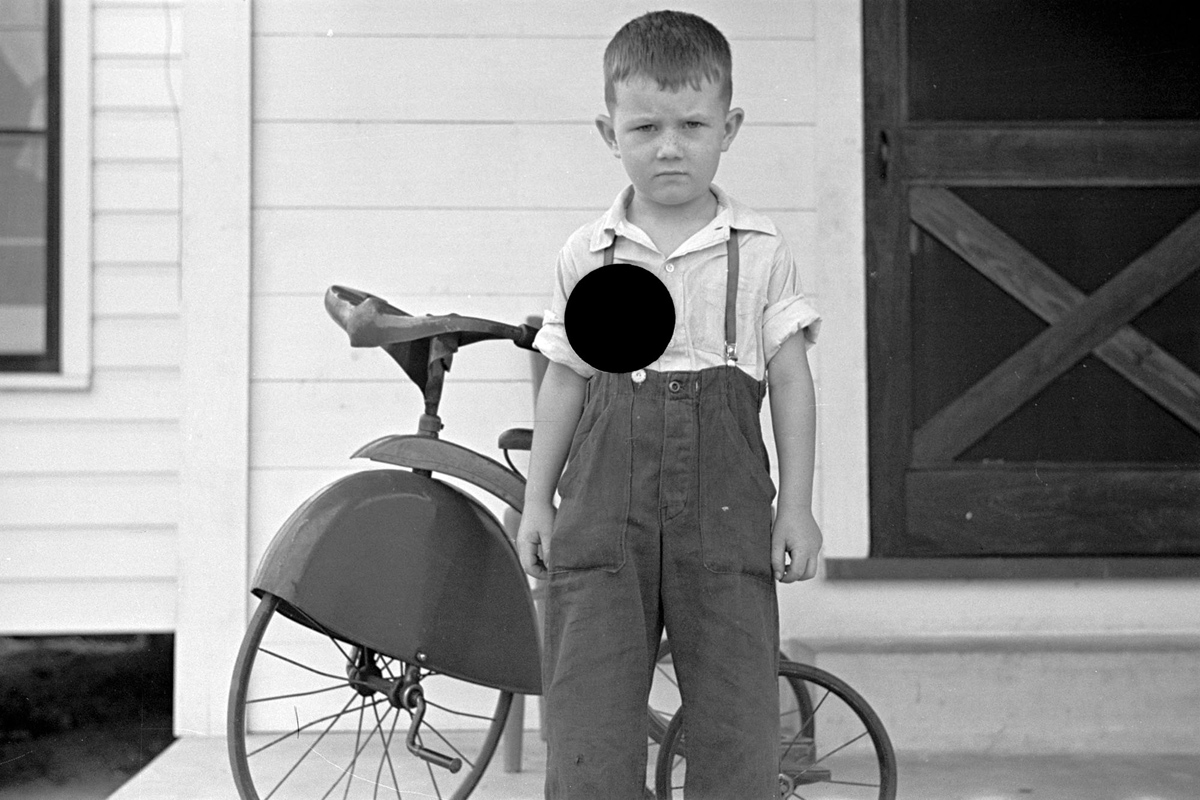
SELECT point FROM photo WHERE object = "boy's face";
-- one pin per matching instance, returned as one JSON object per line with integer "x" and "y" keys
{"x": 670, "y": 143}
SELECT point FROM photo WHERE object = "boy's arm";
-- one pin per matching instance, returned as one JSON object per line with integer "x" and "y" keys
{"x": 793, "y": 416}
{"x": 559, "y": 406}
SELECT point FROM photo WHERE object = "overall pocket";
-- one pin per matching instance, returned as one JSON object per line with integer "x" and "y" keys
{"x": 589, "y": 529}
{"x": 736, "y": 491}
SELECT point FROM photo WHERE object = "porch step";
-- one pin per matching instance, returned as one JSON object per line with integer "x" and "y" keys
{"x": 1119, "y": 695}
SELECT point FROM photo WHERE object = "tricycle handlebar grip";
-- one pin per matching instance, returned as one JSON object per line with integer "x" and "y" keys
{"x": 525, "y": 338}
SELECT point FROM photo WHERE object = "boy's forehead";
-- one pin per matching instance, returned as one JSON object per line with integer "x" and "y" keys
{"x": 641, "y": 93}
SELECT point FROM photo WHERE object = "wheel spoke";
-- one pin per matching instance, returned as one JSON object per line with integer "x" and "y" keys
{"x": 324, "y": 631}
{"x": 314, "y": 671}
{"x": 429, "y": 702}
{"x": 296, "y": 694}
{"x": 348, "y": 774}
{"x": 333, "y": 717}
{"x": 304, "y": 755}
{"x": 853, "y": 783}
{"x": 670, "y": 676}
{"x": 387, "y": 754}
{"x": 806, "y": 722}
{"x": 842, "y": 746}
{"x": 362, "y": 710}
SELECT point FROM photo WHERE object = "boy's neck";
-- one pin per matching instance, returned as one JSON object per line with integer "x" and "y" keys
{"x": 670, "y": 226}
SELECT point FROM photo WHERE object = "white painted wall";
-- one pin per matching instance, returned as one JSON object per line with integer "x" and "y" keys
{"x": 89, "y": 472}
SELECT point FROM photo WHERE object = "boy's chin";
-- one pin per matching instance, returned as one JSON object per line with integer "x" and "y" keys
{"x": 670, "y": 199}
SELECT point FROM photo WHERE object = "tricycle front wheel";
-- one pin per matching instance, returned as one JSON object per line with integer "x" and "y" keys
{"x": 312, "y": 715}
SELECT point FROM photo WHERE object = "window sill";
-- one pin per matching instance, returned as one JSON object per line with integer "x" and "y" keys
{"x": 50, "y": 382}
{"x": 1016, "y": 568}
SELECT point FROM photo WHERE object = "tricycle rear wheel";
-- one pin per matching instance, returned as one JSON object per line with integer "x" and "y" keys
{"x": 310, "y": 716}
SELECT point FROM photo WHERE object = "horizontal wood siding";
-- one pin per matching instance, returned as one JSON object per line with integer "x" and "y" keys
{"x": 89, "y": 480}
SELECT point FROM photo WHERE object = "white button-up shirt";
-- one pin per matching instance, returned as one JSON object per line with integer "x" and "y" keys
{"x": 770, "y": 301}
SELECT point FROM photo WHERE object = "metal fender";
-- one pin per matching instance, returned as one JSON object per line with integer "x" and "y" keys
{"x": 412, "y": 568}
{"x": 438, "y": 455}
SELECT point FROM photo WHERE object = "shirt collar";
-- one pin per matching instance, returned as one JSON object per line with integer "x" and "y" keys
{"x": 730, "y": 213}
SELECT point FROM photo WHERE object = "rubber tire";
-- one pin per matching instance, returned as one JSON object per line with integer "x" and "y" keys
{"x": 793, "y": 671}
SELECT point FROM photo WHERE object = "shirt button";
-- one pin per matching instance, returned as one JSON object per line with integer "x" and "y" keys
{"x": 673, "y": 386}
{"x": 638, "y": 375}
{"x": 670, "y": 267}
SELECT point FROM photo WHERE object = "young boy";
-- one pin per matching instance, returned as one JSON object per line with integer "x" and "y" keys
{"x": 666, "y": 516}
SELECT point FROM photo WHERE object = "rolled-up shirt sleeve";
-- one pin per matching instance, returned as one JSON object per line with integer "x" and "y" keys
{"x": 551, "y": 340}
{"x": 788, "y": 311}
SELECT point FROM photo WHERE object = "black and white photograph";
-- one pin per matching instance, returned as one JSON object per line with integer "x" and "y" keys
{"x": 519, "y": 399}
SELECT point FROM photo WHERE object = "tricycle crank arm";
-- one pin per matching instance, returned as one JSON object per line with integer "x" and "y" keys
{"x": 414, "y": 701}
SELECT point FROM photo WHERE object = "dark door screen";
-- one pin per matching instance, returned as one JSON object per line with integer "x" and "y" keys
{"x": 1033, "y": 231}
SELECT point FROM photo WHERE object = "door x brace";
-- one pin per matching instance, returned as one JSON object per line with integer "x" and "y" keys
{"x": 1079, "y": 323}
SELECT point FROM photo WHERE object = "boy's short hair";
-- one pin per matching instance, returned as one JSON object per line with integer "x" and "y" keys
{"x": 672, "y": 47}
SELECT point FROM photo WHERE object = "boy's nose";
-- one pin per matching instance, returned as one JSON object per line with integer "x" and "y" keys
{"x": 668, "y": 147}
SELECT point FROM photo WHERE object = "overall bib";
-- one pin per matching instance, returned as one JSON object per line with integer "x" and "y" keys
{"x": 665, "y": 520}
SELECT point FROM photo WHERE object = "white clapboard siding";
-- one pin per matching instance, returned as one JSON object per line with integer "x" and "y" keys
{"x": 124, "y": 289}
{"x": 110, "y": 500}
{"x": 137, "y": 30}
{"x": 136, "y": 135}
{"x": 304, "y": 78}
{"x": 89, "y": 480}
{"x": 88, "y": 447}
{"x": 54, "y": 554}
{"x": 548, "y": 18}
{"x": 299, "y": 341}
{"x": 494, "y": 166}
{"x": 76, "y": 607}
{"x": 319, "y": 425}
{"x": 124, "y": 395}
{"x": 137, "y": 83}
{"x": 136, "y": 186}
{"x": 136, "y": 237}
{"x": 405, "y": 252}
{"x": 412, "y": 251}
{"x": 130, "y": 343}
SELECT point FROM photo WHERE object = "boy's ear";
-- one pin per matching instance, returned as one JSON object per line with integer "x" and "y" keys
{"x": 608, "y": 133}
{"x": 733, "y": 123}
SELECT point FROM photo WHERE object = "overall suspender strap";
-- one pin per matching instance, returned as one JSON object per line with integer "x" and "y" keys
{"x": 731, "y": 287}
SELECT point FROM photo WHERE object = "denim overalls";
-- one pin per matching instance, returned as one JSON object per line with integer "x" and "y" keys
{"x": 665, "y": 519}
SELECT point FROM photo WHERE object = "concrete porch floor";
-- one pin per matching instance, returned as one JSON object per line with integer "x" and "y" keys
{"x": 195, "y": 768}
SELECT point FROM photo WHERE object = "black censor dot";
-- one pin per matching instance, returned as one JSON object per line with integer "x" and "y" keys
{"x": 620, "y": 318}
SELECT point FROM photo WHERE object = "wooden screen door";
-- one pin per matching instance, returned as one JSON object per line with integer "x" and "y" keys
{"x": 1033, "y": 257}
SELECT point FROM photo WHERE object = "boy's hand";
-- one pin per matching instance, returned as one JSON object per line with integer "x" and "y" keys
{"x": 796, "y": 534}
{"x": 533, "y": 538}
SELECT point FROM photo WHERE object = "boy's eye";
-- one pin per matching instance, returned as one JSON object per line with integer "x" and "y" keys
{"x": 646, "y": 127}
{"x": 695, "y": 124}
